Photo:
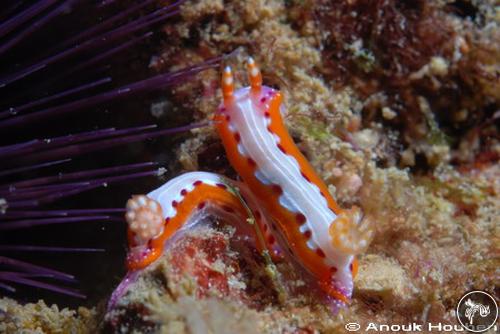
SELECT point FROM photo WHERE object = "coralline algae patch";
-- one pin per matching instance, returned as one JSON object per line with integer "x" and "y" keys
{"x": 209, "y": 278}
{"x": 436, "y": 223}
{"x": 210, "y": 263}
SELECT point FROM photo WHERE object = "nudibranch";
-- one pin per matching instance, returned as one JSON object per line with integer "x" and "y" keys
{"x": 156, "y": 217}
{"x": 279, "y": 185}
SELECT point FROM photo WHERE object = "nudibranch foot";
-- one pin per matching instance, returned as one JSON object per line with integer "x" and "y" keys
{"x": 341, "y": 298}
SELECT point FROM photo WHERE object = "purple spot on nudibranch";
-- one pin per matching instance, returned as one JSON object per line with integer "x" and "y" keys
{"x": 301, "y": 219}
{"x": 305, "y": 176}
{"x": 277, "y": 189}
{"x": 320, "y": 252}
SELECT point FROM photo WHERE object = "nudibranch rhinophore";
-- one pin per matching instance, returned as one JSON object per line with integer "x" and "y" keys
{"x": 279, "y": 188}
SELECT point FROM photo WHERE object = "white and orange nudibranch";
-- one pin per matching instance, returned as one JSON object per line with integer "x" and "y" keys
{"x": 279, "y": 185}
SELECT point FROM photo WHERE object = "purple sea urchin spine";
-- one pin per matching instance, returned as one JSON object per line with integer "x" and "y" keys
{"x": 20, "y": 278}
{"x": 34, "y": 222}
{"x": 14, "y": 217}
{"x": 28, "y": 248}
{"x": 42, "y": 82}
{"x": 106, "y": 24}
{"x": 151, "y": 84}
{"x": 35, "y": 26}
{"x": 81, "y": 148}
{"x": 24, "y": 16}
{"x": 28, "y": 168}
{"x": 9, "y": 220}
{"x": 79, "y": 89}
{"x": 31, "y": 268}
{"x": 61, "y": 213}
{"x": 93, "y": 42}
{"x": 19, "y": 196}
{"x": 76, "y": 72}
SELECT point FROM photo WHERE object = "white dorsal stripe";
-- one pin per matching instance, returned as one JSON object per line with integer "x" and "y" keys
{"x": 247, "y": 118}
{"x": 171, "y": 191}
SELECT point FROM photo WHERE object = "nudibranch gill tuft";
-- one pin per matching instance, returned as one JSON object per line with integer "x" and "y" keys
{"x": 279, "y": 187}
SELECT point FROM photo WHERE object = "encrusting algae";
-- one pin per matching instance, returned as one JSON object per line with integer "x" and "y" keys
{"x": 428, "y": 243}
{"x": 40, "y": 318}
{"x": 412, "y": 140}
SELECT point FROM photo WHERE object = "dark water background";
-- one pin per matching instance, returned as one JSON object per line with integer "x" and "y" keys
{"x": 97, "y": 273}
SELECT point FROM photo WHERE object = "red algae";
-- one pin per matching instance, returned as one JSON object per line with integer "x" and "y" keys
{"x": 397, "y": 99}
{"x": 205, "y": 263}
{"x": 423, "y": 72}
{"x": 198, "y": 258}
{"x": 379, "y": 95}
